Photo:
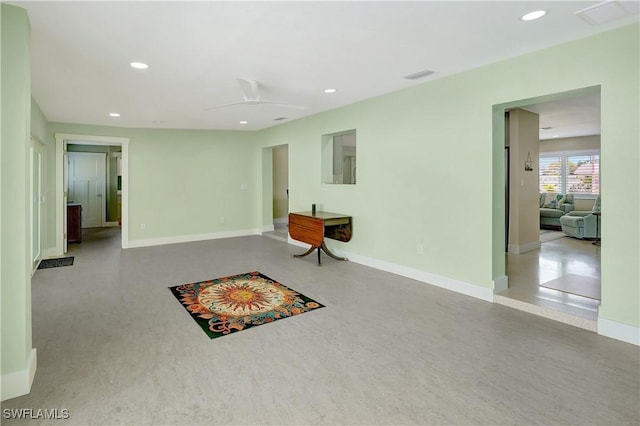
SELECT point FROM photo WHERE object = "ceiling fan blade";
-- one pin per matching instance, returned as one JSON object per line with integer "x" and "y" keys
{"x": 249, "y": 89}
{"x": 284, "y": 104}
{"x": 225, "y": 105}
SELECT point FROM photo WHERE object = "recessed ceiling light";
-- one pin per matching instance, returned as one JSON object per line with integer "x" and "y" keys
{"x": 329, "y": 90}
{"x": 243, "y": 122}
{"x": 114, "y": 114}
{"x": 139, "y": 65}
{"x": 556, "y": 136}
{"x": 531, "y": 16}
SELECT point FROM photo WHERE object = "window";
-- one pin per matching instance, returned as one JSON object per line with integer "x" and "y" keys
{"x": 339, "y": 158}
{"x": 574, "y": 172}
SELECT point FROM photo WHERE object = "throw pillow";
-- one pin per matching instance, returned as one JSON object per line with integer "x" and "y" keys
{"x": 548, "y": 198}
{"x": 562, "y": 200}
{"x": 553, "y": 205}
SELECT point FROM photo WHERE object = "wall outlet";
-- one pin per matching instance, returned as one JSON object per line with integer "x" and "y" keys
{"x": 143, "y": 226}
{"x": 244, "y": 186}
{"x": 221, "y": 220}
{"x": 420, "y": 248}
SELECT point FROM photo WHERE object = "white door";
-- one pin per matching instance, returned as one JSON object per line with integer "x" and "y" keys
{"x": 86, "y": 176}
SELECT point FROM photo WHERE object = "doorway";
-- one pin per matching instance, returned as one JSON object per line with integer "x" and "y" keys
{"x": 276, "y": 194}
{"x": 63, "y": 140}
{"x": 539, "y": 280}
{"x": 280, "y": 186}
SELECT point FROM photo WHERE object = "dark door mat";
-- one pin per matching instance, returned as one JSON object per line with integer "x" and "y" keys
{"x": 54, "y": 263}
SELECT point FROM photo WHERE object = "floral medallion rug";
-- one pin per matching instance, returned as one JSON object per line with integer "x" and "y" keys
{"x": 230, "y": 304}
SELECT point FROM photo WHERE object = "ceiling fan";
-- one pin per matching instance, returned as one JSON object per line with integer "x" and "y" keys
{"x": 251, "y": 96}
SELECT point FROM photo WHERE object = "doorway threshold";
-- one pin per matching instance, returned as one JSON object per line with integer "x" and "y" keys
{"x": 576, "y": 316}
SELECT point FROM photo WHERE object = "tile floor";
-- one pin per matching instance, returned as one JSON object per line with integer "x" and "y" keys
{"x": 563, "y": 257}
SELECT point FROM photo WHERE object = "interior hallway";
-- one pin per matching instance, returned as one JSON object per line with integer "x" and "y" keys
{"x": 115, "y": 347}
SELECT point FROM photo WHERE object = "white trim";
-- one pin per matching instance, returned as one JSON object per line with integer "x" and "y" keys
{"x": 619, "y": 331}
{"x": 469, "y": 289}
{"x": 280, "y": 220}
{"x": 50, "y": 252}
{"x": 58, "y": 248}
{"x": 193, "y": 237}
{"x": 525, "y": 247}
{"x": 91, "y": 139}
{"x": 110, "y": 224}
{"x": 268, "y": 228}
{"x": 500, "y": 283}
{"x": 19, "y": 382}
{"x": 297, "y": 243}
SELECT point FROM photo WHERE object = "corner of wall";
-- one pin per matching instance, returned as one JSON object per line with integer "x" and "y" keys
{"x": 619, "y": 331}
{"x": 19, "y": 382}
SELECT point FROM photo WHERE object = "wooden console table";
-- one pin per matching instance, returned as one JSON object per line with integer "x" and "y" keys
{"x": 313, "y": 228}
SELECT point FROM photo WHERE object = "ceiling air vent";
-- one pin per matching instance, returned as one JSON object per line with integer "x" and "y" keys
{"x": 418, "y": 75}
{"x": 603, "y": 12}
{"x": 279, "y": 118}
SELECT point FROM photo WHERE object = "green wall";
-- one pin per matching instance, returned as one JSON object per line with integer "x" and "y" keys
{"x": 181, "y": 182}
{"x": 430, "y": 168}
{"x": 14, "y": 196}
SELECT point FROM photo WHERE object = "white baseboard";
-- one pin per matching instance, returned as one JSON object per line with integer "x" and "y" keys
{"x": 19, "y": 383}
{"x": 280, "y": 220}
{"x": 268, "y": 228}
{"x": 619, "y": 331}
{"x": 500, "y": 283}
{"x": 297, "y": 243}
{"x": 535, "y": 245}
{"x": 473, "y": 290}
{"x": 110, "y": 224}
{"x": 191, "y": 238}
{"x": 50, "y": 252}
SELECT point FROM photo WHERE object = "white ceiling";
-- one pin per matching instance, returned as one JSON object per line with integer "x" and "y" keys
{"x": 570, "y": 117}
{"x": 196, "y": 50}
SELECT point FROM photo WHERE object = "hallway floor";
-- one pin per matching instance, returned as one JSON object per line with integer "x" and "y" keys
{"x": 563, "y": 258}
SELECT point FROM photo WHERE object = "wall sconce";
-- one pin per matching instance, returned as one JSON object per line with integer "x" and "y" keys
{"x": 528, "y": 165}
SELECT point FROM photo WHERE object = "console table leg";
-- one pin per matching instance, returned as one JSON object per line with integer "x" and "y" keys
{"x": 305, "y": 253}
{"x": 326, "y": 250}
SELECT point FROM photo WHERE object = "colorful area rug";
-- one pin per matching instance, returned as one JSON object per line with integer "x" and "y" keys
{"x": 230, "y": 304}
{"x": 55, "y": 263}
